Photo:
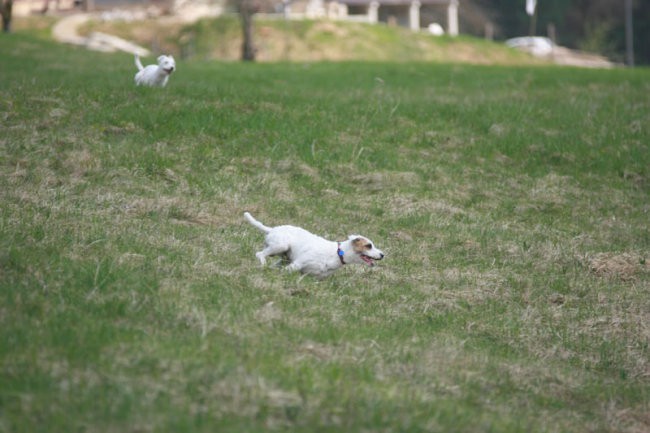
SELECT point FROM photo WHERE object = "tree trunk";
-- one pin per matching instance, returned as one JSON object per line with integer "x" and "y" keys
{"x": 248, "y": 49}
{"x": 88, "y": 5}
{"x": 5, "y": 10}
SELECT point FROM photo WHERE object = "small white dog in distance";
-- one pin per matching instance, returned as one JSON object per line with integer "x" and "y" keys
{"x": 311, "y": 254}
{"x": 155, "y": 75}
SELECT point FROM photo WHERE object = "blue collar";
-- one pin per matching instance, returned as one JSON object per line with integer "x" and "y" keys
{"x": 340, "y": 253}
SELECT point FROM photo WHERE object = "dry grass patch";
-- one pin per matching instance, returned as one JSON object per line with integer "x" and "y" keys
{"x": 624, "y": 266}
{"x": 381, "y": 181}
{"x": 409, "y": 204}
{"x": 553, "y": 190}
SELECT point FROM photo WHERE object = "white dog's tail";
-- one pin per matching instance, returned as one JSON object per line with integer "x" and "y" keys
{"x": 256, "y": 223}
{"x": 138, "y": 63}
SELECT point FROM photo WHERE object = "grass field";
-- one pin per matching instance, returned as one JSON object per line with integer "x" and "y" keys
{"x": 513, "y": 205}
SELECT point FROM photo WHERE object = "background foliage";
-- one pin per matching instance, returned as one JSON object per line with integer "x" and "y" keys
{"x": 592, "y": 25}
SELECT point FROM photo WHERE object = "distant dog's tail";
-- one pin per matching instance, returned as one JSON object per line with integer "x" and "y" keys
{"x": 138, "y": 63}
{"x": 256, "y": 223}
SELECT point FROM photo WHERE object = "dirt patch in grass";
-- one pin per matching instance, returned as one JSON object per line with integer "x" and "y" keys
{"x": 623, "y": 266}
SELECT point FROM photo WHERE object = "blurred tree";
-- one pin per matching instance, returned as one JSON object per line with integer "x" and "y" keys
{"x": 5, "y": 10}
{"x": 247, "y": 8}
{"x": 599, "y": 26}
{"x": 641, "y": 17}
{"x": 591, "y": 25}
{"x": 511, "y": 18}
{"x": 595, "y": 26}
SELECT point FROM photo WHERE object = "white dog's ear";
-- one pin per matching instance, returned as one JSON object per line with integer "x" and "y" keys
{"x": 160, "y": 58}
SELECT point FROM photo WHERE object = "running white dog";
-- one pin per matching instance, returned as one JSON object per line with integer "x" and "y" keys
{"x": 311, "y": 254}
{"x": 155, "y": 75}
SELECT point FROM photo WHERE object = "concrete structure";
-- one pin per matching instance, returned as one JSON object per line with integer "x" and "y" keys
{"x": 401, "y": 12}
{"x": 27, "y": 7}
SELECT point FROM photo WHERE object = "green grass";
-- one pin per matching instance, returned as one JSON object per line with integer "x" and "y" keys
{"x": 512, "y": 203}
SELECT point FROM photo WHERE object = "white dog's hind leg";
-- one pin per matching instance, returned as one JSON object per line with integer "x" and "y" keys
{"x": 261, "y": 257}
{"x": 293, "y": 267}
{"x": 271, "y": 251}
{"x": 138, "y": 63}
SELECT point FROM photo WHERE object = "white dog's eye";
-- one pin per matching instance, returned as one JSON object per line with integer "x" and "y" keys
{"x": 368, "y": 246}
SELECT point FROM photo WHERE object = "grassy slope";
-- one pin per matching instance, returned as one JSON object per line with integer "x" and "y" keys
{"x": 512, "y": 202}
{"x": 280, "y": 40}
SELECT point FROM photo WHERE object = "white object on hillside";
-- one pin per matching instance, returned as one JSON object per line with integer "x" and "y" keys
{"x": 530, "y": 7}
{"x": 436, "y": 29}
{"x": 538, "y": 46}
